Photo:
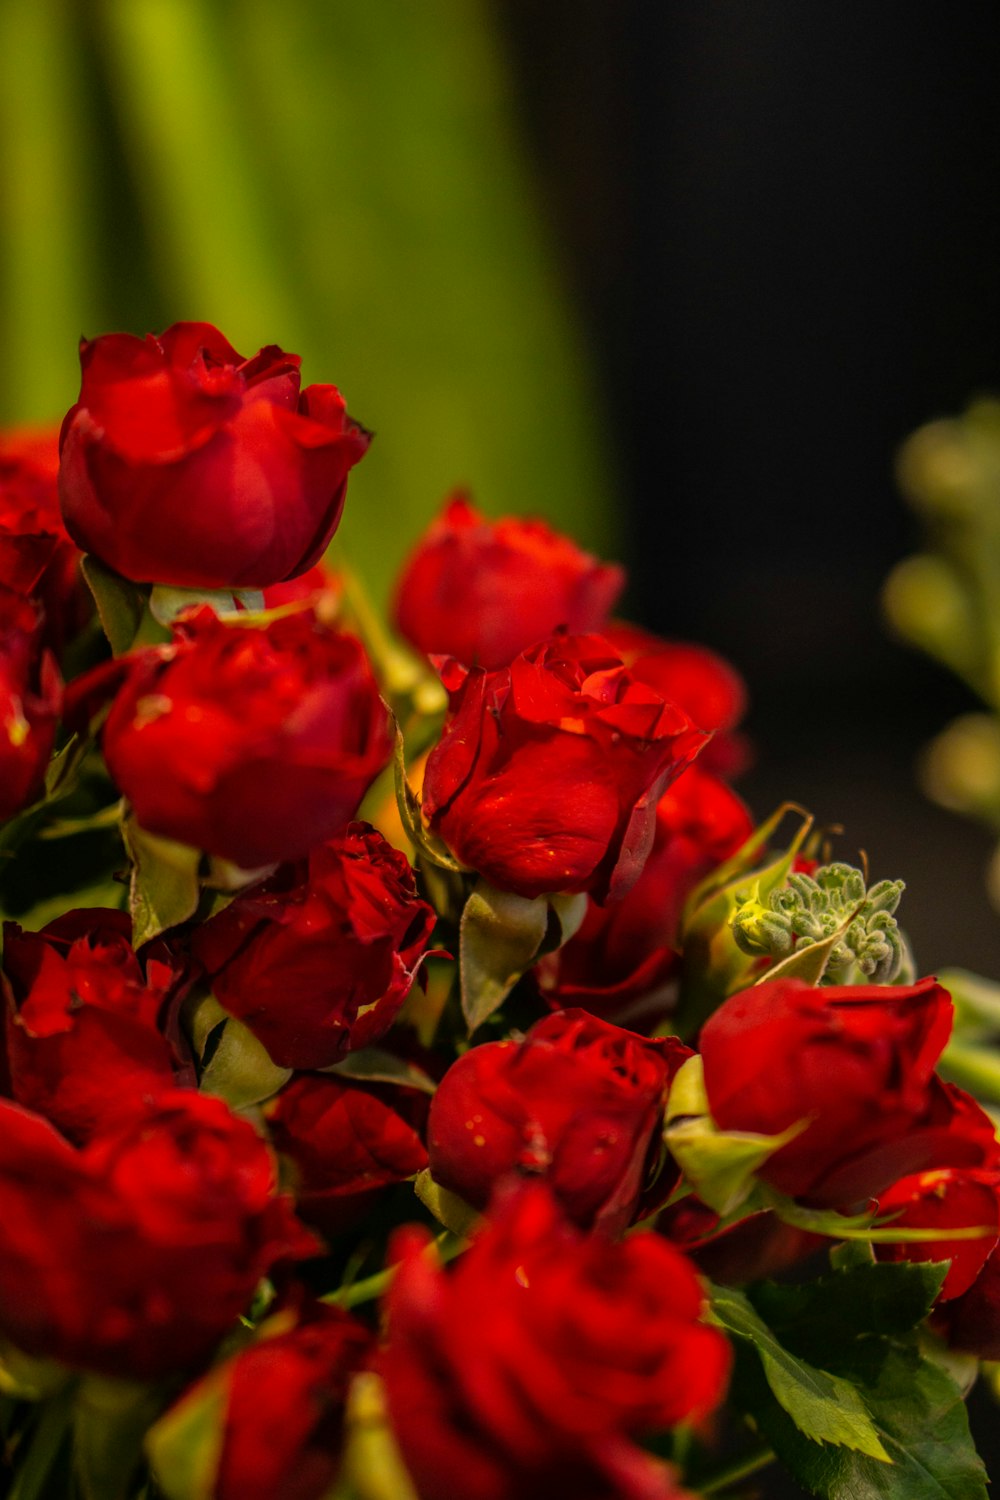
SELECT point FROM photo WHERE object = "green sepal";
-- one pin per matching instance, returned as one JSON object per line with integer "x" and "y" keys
{"x": 373, "y": 1065}
{"x": 235, "y": 1066}
{"x": 425, "y": 843}
{"x": 163, "y": 887}
{"x": 500, "y": 936}
{"x": 372, "y": 1467}
{"x": 447, "y": 1207}
{"x": 110, "y": 1421}
{"x": 185, "y": 1446}
{"x": 120, "y": 603}
{"x": 826, "y": 1408}
{"x": 721, "y": 1166}
{"x": 864, "y": 1226}
{"x": 166, "y": 603}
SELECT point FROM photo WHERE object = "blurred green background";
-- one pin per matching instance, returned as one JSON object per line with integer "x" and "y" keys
{"x": 345, "y": 180}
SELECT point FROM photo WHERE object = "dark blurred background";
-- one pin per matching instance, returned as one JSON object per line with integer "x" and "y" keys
{"x": 781, "y": 223}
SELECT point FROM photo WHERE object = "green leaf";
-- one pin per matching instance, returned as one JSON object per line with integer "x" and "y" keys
{"x": 373, "y": 1065}
{"x": 164, "y": 889}
{"x": 824, "y": 1407}
{"x": 448, "y": 1208}
{"x": 236, "y": 1066}
{"x": 120, "y": 603}
{"x": 866, "y": 1297}
{"x": 500, "y": 936}
{"x": 919, "y": 1417}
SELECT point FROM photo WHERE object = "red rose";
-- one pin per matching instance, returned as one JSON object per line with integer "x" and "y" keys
{"x": 857, "y": 1063}
{"x": 482, "y": 591}
{"x": 253, "y": 743}
{"x": 346, "y": 1142}
{"x": 320, "y": 583}
{"x": 531, "y": 1367}
{"x": 84, "y": 1041}
{"x": 951, "y": 1198}
{"x": 972, "y": 1321}
{"x": 578, "y": 1100}
{"x": 548, "y": 773}
{"x": 708, "y": 689}
{"x": 282, "y": 1413}
{"x": 30, "y": 702}
{"x": 184, "y": 463}
{"x": 620, "y": 964}
{"x": 318, "y": 960}
{"x": 134, "y": 1256}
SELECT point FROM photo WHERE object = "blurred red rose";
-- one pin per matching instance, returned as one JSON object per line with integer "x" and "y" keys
{"x": 282, "y": 1410}
{"x": 548, "y": 772}
{"x": 346, "y": 1141}
{"x": 972, "y": 1321}
{"x": 857, "y": 1064}
{"x": 135, "y": 1255}
{"x": 30, "y": 703}
{"x": 254, "y": 743}
{"x": 185, "y": 463}
{"x": 318, "y": 960}
{"x": 620, "y": 963}
{"x": 951, "y": 1198}
{"x": 84, "y": 1020}
{"x": 578, "y": 1100}
{"x": 318, "y": 584}
{"x": 482, "y": 591}
{"x": 708, "y": 689}
{"x": 530, "y": 1369}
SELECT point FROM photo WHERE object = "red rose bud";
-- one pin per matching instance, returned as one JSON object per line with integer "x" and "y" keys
{"x": 578, "y": 1100}
{"x": 318, "y": 960}
{"x": 483, "y": 591}
{"x": 30, "y": 703}
{"x": 252, "y": 743}
{"x": 856, "y": 1064}
{"x": 549, "y": 771}
{"x": 621, "y": 962}
{"x": 530, "y": 1369}
{"x": 273, "y": 1414}
{"x": 708, "y": 689}
{"x": 184, "y": 463}
{"x": 84, "y": 1037}
{"x": 134, "y": 1256}
{"x": 972, "y": 1322}
{"x": 346, "y": 1142}
{"x": 951, "y": 1198}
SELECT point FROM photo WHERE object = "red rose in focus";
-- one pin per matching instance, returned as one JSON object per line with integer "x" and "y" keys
{"x": 252, "y": 743}
{"x": 318, "y": 960}
{"x": 346, "y": 1141}
{"x": 30, "y": 703}
{"x": 548, "y": 772}
{"x": 282, "y": 1413}
{"x": 184, "y": 463}
{"x": 577, "y": 1100}
{"x": 951, "y": 1198}
{"x": 530, "y": 1369}
{"x": 702, "y": 683}
{"x": 620, "y": 963}
{"x": 84, "y": 1037}
{"x": 483, "y": 591}
{"x": 134, "y": 1256}
{"x": 857, "y": 1063}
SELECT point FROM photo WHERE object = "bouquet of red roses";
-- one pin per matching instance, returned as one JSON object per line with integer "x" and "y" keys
{"x": 421, "y": 1079}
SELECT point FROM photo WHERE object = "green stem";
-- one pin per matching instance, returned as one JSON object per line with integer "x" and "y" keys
{"x": 444, "y": 1248}
{"x": 30, "y": 1481}
{"x": 735, "y": 1473}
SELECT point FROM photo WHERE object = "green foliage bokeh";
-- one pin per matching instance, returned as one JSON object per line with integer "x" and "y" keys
{"x": 345, "y": 180}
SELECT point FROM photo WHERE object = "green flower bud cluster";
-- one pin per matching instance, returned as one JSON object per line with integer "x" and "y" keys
{"x": 811, "y": 908}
